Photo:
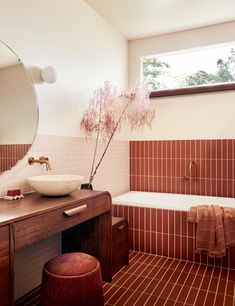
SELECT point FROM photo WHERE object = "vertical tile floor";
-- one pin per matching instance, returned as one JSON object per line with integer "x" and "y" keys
{"x": 155, "y": 280}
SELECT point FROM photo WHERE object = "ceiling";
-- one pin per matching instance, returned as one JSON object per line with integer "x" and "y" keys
{"x": 142, "y": 18}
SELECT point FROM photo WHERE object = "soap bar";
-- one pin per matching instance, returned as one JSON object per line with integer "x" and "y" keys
{"x": 13, "y": 192}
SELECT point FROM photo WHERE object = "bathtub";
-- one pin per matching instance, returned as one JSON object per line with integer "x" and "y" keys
{"x": 158, "y": 224}
{"x": 171, "y": 201}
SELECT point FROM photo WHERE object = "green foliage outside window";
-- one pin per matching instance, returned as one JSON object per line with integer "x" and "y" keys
{"x": 155, "y": 70}
{"x": 152, "y": 70}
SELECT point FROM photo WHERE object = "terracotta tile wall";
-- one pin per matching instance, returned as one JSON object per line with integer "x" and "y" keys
{"x": 10, "y": 154}
{"x": 167, "y": 233}
{"x": 160, "y": 166}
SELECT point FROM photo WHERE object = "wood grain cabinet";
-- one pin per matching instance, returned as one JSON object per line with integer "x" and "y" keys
{"x": 4, "y": 266}
{"x": 24, "y": 222}
{"x": 32, "y": 229}
{"x": 4, "y": 281}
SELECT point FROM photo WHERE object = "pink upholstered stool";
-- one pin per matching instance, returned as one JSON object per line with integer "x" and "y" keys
{"x": 72, "y": 279}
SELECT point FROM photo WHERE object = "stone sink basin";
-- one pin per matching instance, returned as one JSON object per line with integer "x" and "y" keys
{"x": 55, "y": 185}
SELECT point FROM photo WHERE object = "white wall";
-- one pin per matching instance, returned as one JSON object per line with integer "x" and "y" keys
{"x": 198, "y": 116}
{"x": 84, "y": 49}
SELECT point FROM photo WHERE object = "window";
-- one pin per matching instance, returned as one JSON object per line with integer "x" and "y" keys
{"x": 191, "y": 71}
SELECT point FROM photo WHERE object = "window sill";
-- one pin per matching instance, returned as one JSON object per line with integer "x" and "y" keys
{"x": 192, "y": 90}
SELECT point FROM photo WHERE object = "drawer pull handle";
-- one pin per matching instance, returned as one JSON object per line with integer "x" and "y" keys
{"x": 75, "y": 210}
{"x": 121, "y": 227}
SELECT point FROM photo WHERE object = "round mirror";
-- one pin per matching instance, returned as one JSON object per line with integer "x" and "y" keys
{"x": 18, "y": 109}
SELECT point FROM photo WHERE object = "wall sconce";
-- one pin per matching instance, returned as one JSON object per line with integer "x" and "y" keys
{"x": 49, "y": 75}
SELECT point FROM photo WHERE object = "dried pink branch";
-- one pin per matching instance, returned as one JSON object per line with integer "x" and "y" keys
{"x": 140, "y": 113}
{"x": 106, "y": 111}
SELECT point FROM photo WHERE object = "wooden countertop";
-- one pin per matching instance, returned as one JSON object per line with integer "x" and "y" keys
{"x": 34, "y": 204}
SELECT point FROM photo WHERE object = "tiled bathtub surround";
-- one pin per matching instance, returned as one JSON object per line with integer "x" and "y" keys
{"x": 161, "y": 165}
{"x": 10, "y": 154}
{"x": 167, "y": 233}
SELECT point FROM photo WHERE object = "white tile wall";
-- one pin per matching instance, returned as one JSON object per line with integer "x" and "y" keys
{"x": 71, "y": 155}
{"x": 113, "y": 174}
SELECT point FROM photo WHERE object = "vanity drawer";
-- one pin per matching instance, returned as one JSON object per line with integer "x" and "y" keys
{"x": 42, "y": 226}
{"x": 4, "y": 240}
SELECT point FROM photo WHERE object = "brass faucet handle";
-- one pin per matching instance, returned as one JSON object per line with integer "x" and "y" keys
{"x": 41, "y": 160}
{"x": 31, "y": 160}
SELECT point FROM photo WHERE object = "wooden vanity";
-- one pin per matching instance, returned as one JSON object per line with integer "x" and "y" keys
{"x": 83, "y": 217}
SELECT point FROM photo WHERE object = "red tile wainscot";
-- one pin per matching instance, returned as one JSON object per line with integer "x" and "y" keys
{"x": 160, "y": 166}
{"x": 10, "y": 154}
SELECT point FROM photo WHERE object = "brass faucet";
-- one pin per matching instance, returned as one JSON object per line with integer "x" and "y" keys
{"x": 41, "y": 160}
{"x": 192, "y": 171}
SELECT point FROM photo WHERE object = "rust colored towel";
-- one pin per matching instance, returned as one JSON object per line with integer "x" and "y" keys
{"x": 229, "y": 226}
{"x": 210, "y": 237}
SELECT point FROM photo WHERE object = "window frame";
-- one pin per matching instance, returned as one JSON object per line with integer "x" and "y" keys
{"x": 197, "y": 89}
{"x": 192, "y": 90}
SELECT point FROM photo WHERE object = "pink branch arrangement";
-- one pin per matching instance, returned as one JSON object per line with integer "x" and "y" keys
{"x": 107, "y": 110}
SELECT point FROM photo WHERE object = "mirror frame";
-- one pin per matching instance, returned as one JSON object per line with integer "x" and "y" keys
{"x": 27, "y": 146}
